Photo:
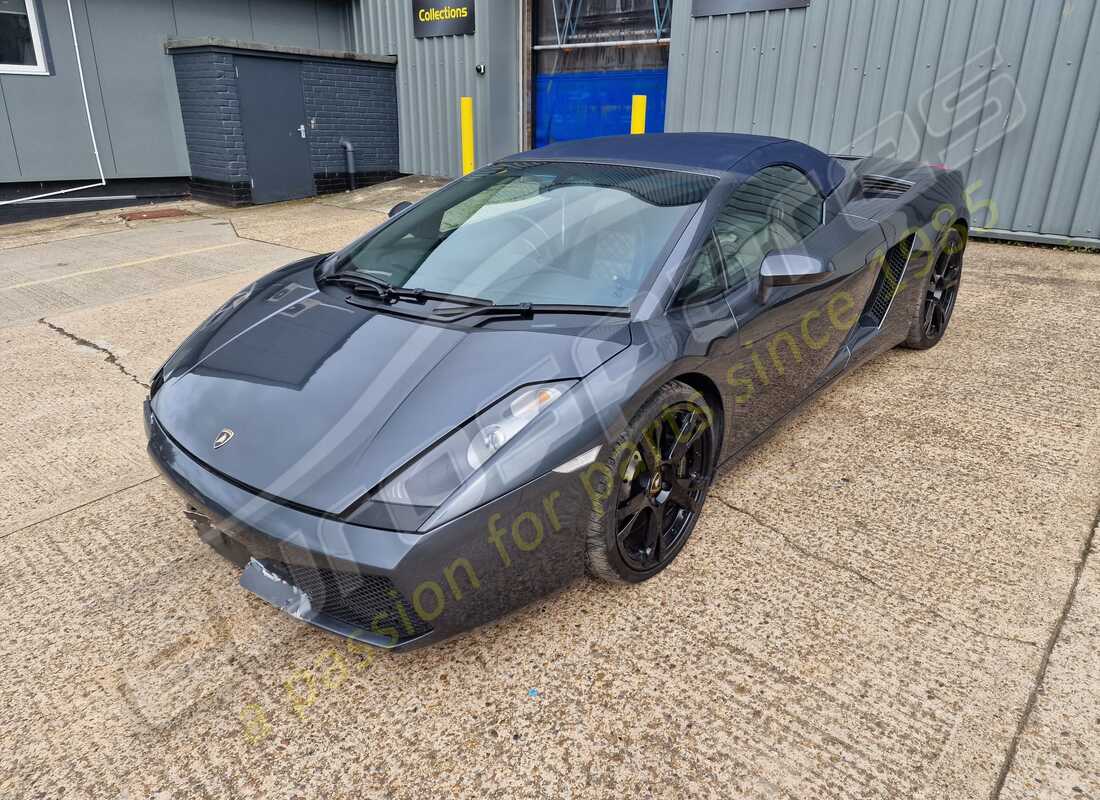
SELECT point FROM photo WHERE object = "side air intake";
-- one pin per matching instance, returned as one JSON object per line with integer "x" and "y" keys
{"x": 881, "y": 186}
{"x": 887, "y": 283}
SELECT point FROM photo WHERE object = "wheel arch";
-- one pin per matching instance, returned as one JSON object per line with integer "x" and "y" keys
{"x": 706, "y": 386}
{"x": 963, "y": 227}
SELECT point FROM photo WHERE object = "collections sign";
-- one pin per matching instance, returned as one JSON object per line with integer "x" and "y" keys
{"x": 711, "y": 8}
{"x": 442, "y": 18}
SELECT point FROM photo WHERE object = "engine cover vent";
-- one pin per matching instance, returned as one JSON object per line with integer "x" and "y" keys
{"x": 882, "y": 186}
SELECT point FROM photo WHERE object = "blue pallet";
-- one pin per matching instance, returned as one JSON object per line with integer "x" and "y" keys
{"x": 577, "y": 105}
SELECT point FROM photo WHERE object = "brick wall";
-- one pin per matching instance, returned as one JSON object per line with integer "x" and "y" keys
{"x": 211, "y": 108}
{"x": 356, "y": 101}
{"x": 353, "y": 100}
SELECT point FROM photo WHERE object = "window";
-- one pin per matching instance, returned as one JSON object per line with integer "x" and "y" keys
{"x": 21, "y": 38}
{"x": 536, "y": 232}
{"x": 775, "y": 209}
{"x": 704, "y": 280}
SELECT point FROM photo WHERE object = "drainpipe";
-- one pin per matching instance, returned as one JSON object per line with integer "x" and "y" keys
{"x": 349, "y": 159}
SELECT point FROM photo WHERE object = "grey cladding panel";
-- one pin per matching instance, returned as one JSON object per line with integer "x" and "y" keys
{"x": 46, "y": 113}
{"x": 432, "y": 74}
{"x": 289, "y": 22}
{"x": 213, "y": 18}
{"x": 1002, "y": 89}
{"x": 146, "y": 134}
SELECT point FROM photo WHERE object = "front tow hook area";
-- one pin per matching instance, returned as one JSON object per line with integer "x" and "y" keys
{"x": 225, "y": 546}
{"x": 269, "y": 587}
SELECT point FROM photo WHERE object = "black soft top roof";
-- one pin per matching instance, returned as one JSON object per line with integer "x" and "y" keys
{"x": 735, "y": 153}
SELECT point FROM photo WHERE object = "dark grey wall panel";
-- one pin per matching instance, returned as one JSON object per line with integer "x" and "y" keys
{"x": 213, "y": 18}
{"x": 142, "y": 110}
{"x": 46, "y": 112}
{"x": 285, "y": 22}
{"x": 1003, "y": 89}
{"x": 334, "y": 25}
{"x": 9, "y": 158}
{"x": 130, "y": 81}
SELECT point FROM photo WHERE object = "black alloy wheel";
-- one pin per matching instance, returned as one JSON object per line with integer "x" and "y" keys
{"x": 662, "y": 470}
{"x": 663, "y": 487}
{"x": 943, "y": 288}
{"x": 940, "y": 293}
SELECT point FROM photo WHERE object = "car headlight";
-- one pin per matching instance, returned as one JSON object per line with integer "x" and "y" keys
{"x": 405, "y": 500}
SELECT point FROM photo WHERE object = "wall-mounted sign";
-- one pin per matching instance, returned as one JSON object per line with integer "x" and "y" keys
{"x": 710, "y": 8}
{"x": 442, "y": 18}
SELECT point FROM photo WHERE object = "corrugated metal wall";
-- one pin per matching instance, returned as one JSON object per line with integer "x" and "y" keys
{"x": 432, "y": 74}
{"x": 1004, "y": 89}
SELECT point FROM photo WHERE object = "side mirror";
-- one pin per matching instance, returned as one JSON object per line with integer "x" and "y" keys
{"x": 397, "y": 209}
{"x": 791, "y": 269}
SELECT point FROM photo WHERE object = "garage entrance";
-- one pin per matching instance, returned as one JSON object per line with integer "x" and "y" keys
{"x": 591, "y": 57}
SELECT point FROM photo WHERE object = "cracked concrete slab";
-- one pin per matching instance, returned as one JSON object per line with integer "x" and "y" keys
{"x": 110, "y": 356}
{"x": 71, "y": 422}
{"x": 311, "y": 226}
{"x": 790, "y": 680}
{"x": 1058, "y": 754}
{"x": 862, "y": 612}
{"x": 141, "y": 332}
{"x": 56, "y": 276}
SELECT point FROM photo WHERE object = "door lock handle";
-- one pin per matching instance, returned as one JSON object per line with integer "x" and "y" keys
{"x": 302, "y": 130}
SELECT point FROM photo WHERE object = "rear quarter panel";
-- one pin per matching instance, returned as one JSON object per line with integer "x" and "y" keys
{"x": 926, "y": 212}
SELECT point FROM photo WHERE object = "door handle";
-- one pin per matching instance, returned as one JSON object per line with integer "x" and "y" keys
{"x": 302, "y": 130}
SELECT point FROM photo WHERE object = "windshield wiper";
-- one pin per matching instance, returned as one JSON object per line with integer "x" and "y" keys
{"x": 528, "y": 310}
{"x": 389, "y": 293}
{"x": 383, "y": 290}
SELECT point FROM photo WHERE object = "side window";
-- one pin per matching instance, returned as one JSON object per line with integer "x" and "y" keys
{"x": 775, "y": 209}
{"x": 704, "y": 279}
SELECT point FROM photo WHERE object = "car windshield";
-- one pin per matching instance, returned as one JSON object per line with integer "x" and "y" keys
{"x": 543, "y": 233}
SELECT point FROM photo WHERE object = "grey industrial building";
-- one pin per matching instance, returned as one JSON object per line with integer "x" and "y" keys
{"x": 207, "y": 89}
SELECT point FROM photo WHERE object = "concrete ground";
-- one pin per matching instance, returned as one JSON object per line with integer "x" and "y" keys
{"x": 866, "y": 610}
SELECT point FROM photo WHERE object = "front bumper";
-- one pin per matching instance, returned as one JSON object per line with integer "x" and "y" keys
{"x": 393, "y": 590}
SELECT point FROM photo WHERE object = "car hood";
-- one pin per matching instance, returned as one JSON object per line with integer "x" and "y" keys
{"x": 325, "y": 400}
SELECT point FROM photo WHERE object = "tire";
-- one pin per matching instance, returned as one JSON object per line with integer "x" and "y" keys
{"x": 662, "y": 512}
{"x": 941, "y": 291}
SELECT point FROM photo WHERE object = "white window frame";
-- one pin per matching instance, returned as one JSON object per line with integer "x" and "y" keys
{"x": 39, "y": 68}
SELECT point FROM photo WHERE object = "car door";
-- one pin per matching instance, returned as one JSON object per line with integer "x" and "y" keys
{"x": 700, "y": 314}
{"x": 790, "y": 335}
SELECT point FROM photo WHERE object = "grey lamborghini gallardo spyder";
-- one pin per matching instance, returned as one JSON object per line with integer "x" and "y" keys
{"x": 536, "y": 371}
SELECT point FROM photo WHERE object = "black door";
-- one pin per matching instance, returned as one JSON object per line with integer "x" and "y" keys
{"x": 788, "y": 339}
{"x": 796, "y": 337}
{"x": 273, "y": 119}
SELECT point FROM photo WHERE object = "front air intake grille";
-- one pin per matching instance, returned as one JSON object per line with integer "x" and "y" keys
{"x": 369, "y": 602}
{"x": 887, "y": 283}
{"x": 878, "y": 186}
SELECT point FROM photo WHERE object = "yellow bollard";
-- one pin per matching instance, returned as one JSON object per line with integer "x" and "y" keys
{"x": 637, "y": 114}
{"x": 466, "y": 113}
